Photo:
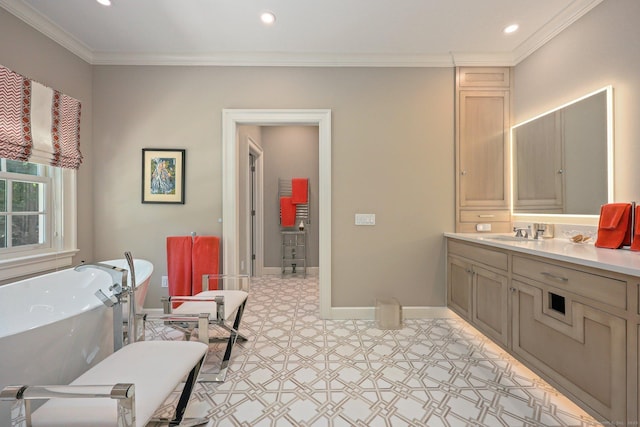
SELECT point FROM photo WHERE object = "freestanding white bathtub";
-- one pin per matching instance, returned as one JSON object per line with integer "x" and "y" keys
{"x": 53, "y": 328}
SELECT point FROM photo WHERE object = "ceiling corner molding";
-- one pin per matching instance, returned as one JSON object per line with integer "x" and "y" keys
{"x": 276, "y": 59}
{"x": 31, "y": 17}
{"x": 554, "y": 27}
{"x": 488, "y": 59}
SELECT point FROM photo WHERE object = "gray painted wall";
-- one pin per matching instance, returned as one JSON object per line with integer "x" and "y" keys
{"x": 399, "y": 119}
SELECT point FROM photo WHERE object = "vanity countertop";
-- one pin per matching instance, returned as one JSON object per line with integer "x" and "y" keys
{"x": 622, "y": 261}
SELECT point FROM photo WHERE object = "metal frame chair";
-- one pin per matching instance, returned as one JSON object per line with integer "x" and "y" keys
{"x": 225, "y": 305}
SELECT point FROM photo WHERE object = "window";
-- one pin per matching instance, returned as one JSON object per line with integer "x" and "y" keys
{"x": 37, "y": 218}
{"x": 25, "y": 207}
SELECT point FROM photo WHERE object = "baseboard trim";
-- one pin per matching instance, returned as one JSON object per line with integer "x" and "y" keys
{"x": 277, "y": 271}
{"x": 369, "y": 313}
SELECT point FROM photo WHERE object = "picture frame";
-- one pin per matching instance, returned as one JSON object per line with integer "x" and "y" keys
{"x": 163, "y": 171}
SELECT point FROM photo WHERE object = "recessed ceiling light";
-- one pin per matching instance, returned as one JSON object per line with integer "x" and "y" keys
{"x": 104, "y": 2}
{"x": 511, "y": 28}
{"x": 268, "y": 18}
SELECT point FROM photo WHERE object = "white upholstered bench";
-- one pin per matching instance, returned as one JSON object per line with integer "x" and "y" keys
{"x": 145, "y": 374}
{"x": 225, "y": 307}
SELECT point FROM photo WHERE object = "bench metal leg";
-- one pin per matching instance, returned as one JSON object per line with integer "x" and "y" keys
{"x": 183, "y": 401}
{"x": 233, "y": 337}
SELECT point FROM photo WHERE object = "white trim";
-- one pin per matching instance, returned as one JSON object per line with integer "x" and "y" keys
{"x": 33, "y": 264}
{"x": 256, "y": 150}
{"x": 369, "y": 313}
{"x": 64, "y": 239}
{"x": 277, "y": 271}
{"x": 231, "y": 118}
{"x": 279, "y": 59}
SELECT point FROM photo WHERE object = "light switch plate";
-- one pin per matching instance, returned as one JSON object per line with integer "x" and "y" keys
{"x": 365, "y": 219}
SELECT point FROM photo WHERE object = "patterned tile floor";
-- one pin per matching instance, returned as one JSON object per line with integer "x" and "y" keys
{"x": 299, "y": 370}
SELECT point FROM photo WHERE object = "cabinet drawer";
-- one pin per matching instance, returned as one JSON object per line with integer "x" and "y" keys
{"x": 478, "y": 254}
{"x": 599, "y": 288}
{"x": 485, "y": 216}
{"x": 483, "y": 77}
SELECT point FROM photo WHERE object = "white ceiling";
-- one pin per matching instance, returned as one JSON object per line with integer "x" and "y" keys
{"x": 320, "y": 33}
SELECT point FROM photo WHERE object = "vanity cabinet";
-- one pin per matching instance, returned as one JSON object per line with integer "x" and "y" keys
{"x": 570, "y": 326}
{"x": 575, "y": 326}
{"x": 478, "y": 288}
{"x": 482, "y": 148}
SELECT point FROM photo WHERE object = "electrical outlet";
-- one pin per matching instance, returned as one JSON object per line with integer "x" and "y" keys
{"x": 165, "y": 281}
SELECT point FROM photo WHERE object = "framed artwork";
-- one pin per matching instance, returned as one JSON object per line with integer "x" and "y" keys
{"x": 163, "y": 175}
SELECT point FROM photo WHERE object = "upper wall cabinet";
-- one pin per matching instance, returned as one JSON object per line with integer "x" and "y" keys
{"x": 482, "y": 148}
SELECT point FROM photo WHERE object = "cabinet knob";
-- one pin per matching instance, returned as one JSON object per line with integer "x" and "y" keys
{"x": 561, "y": 171}
{"x": 463, "y": 172}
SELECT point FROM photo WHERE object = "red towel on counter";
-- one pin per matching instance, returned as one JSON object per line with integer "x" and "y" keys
{"x": 299, "y": 190}
{"x": 205, "y": 260}
{"x": 179, "y": 265}
{"x": 635, "y": 245}
{"x": 614, "y": 226}
{"x": 287, "y": 212}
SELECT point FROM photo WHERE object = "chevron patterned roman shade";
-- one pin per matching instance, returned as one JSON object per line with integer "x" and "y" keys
{"x": 38, "y": 124}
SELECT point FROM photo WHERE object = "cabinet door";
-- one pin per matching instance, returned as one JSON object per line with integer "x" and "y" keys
{"x": 483, "y": 149}
{"x": 490, "y": 302}
{"x": 578, "y": 347}
{"x": 459, "y": 287}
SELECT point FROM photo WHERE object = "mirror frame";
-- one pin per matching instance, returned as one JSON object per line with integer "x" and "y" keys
{"x": 568, "y": 218}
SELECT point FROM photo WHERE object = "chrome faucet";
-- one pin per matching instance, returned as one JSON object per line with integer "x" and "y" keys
{"x": 118, "y": 276}
{"x": 539, "y": 230}
{"x": 521, "y": 232}
{"x": 120, "y": 292}
{"x": 132, "y": 329}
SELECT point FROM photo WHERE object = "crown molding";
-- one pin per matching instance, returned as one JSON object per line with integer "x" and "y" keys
{"x": 30, "y": 16}
{"x": 494, "y": 59}
{"x": 555, "y": 26}
{"x": 279, "y": 59}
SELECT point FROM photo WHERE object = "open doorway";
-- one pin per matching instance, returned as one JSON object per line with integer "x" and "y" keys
{"x": 231, "y": 119}
{"x": 275, "y": 156}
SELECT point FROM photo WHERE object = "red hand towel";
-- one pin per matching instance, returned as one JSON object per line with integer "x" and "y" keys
{"x": 299, "y": 190}
{"x": 179, "y": 265}
{"x": 205, "y": 260}
{"x": 635, "y": 245}
{"x": 287, "y": 212}
{"x": 614, "y": 230}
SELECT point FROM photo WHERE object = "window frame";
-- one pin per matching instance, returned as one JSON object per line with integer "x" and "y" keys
{"x": 61, "y": 228}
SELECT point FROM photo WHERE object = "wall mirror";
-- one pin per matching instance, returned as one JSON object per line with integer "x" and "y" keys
{"x": 562, "y": 160}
